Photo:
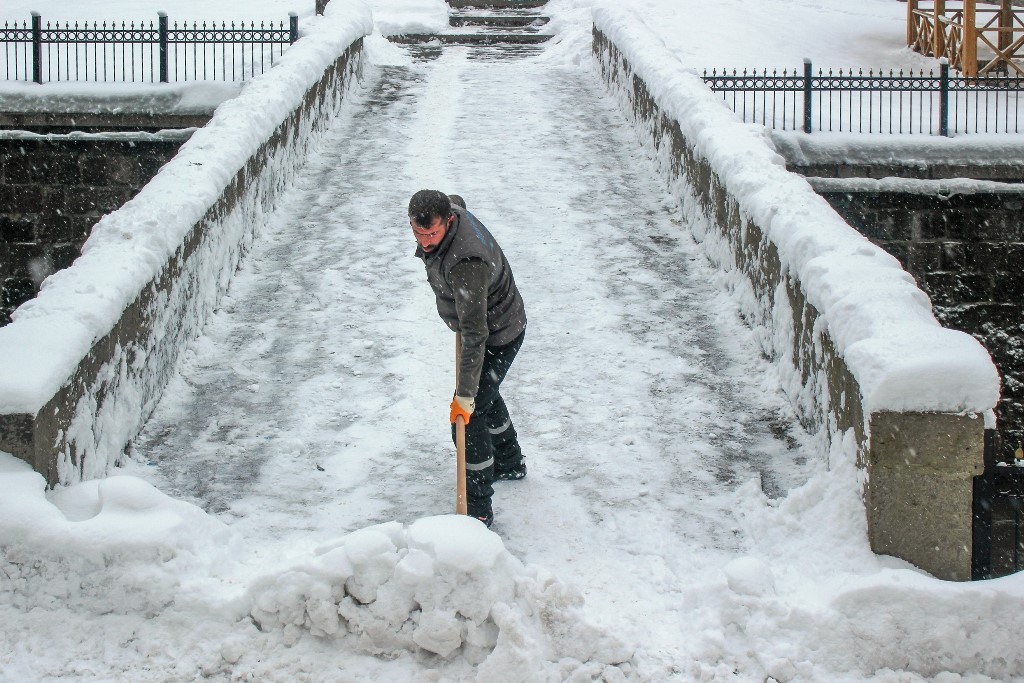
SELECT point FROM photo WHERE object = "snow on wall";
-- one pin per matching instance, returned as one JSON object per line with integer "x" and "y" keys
{"x": 58, "y": 546}
{"x": 869, "y": 310}
{"x": 89, "y": 356}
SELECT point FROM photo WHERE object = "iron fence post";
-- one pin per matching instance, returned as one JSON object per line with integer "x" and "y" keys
{"x": 162, "y": 27}
{"x": 807, "y": 95}
{"x": 37, "y": 48}
{"x": 944, "y": 97}
{"x": 293, "y": 27}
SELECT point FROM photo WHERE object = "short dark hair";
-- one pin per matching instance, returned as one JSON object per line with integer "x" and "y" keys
{"x": 426, "y": 205}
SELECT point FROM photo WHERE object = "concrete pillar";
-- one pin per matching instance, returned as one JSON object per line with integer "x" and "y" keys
{"x": 920, "y": 489}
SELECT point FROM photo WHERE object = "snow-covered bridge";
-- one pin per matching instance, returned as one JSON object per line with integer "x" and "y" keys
{"x": 712, "y": 361}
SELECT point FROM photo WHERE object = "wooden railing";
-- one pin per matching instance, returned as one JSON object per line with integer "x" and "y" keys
{"x": 956, "y": 29}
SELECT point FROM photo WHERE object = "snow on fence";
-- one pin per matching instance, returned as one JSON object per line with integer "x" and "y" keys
{"x": 147, "y": 52}
{"x": 84, "y": 363}
{"x": 862, "y": 357}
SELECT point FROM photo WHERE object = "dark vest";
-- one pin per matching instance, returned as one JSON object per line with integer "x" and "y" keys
{"x": 469, "y": 239}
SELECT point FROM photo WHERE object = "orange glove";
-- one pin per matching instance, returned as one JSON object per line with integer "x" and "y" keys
{"x": 462, "y": 407}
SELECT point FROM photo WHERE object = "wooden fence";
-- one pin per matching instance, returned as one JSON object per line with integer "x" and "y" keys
{"x": 976, "y": 41}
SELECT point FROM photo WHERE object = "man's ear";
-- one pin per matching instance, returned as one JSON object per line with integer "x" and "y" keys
{"x": 451, "y": 219}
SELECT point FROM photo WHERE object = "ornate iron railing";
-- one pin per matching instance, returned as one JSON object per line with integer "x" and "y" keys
{"x": 153, "y": 52}
{"x": 873, "y": 102}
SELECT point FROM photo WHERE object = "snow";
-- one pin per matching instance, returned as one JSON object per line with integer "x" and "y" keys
{"x": 440, "y": 584}
{"x": 943, "y": 187}
{"x": 910, "y": 150}
{"x": 279, "y": 519}
{"x": 98, "y": 520}
{"x": 410, "y": 16}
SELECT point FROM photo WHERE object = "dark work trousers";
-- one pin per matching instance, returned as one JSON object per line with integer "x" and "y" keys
{"x": 491, "y": 439}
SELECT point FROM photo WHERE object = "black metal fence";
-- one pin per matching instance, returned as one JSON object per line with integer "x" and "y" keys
{"x": 873, "y": 102}
{"x": 153, "y": 52}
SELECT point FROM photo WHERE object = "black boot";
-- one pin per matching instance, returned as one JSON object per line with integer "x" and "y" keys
{"x": 480, "y": 508}
{"x": 509, "y": 463}
{"x": 510, "y": 472}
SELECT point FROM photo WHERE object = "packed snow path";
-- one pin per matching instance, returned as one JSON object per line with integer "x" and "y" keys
{"x": 316, "y": 403}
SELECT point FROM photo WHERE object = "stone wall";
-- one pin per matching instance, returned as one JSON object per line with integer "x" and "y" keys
{"x": 920, "y": 466}
{"x": 53, "y": 189}
{"x": 965, "y": 249}
{"x": 928, "y": 169}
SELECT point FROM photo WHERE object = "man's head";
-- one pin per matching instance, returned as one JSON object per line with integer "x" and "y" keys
{"x": 430, "y": 215}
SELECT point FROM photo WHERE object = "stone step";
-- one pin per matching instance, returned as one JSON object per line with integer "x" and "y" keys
{"x": 500, "y": 52}
{"x": 497, "y": 4}
{"x": 494, "y": 12}
{"x": 507, "y": 21}
{"x": 472, "y": 38}
{"x": 503, "y": 30}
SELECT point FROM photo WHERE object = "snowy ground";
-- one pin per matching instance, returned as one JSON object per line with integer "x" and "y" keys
{"x": 676, "y": 523}
{"x": 315, "y": 404}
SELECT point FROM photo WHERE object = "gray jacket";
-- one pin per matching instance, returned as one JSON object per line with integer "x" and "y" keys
{"x": 475, "y": 292}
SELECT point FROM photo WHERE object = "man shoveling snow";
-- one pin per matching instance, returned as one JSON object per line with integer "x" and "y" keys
{"x": 478, "y": 299}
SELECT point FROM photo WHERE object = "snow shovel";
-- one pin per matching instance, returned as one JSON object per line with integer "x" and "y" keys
{"x": 460, "y": 442}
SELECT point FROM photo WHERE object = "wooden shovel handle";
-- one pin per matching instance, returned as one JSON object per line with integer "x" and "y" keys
{"x": 460, "y": 442}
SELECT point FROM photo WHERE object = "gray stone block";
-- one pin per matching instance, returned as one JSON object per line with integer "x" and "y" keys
{"x": 920, "y": 489}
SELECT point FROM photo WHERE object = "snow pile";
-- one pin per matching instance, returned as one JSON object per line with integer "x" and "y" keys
{"x": 443, "y": 585}
{"x": 877, "y": 318}
{"x": 862, "y": 630}
{"x": 395, "y": 17}
{"x": 855, "y": 628}
{"x": 937, "y": 628}
{"x": 61, "y": 548}
{"x": 787, "y": 610}
{"x": 443, "y": 589}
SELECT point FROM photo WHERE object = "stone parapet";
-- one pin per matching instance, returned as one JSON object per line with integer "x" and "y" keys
{"x": 917, "y": 508}
{"x": 75, "y": 426}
